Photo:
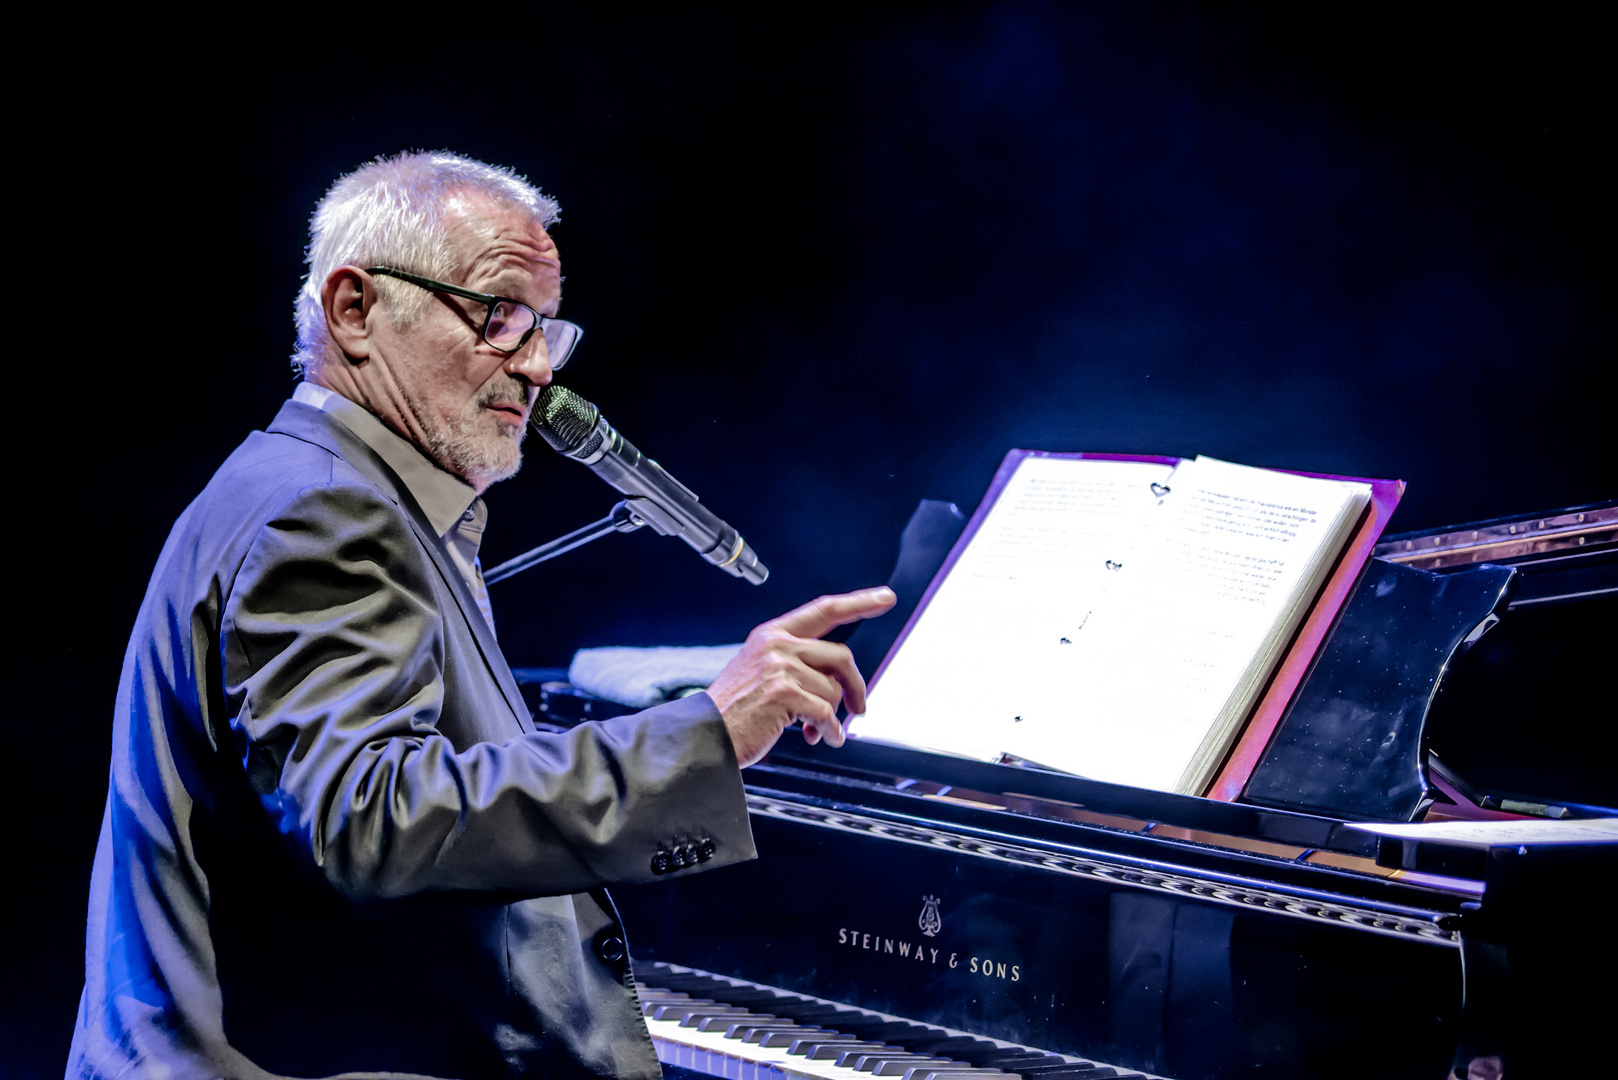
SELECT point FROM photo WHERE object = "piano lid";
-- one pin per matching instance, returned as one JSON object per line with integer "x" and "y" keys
{"x": 1522, "y": 720}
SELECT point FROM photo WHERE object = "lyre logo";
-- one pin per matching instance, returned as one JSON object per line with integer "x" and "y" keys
{"x": 929, "y": 922}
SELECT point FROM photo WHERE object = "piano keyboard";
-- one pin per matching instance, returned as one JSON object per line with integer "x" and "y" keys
{"x": 745, "y": 1031}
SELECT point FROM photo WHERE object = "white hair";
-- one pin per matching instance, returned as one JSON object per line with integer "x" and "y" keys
{"x": 392, "y": 212}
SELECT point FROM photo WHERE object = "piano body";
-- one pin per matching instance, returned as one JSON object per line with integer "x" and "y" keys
{"x": 1197, "y": 939}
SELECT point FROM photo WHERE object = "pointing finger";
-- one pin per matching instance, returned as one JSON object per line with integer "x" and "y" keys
{"x": 818, "y": 616}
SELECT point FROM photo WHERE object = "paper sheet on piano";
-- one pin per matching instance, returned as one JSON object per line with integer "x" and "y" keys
{"x": 1488, "y": 834}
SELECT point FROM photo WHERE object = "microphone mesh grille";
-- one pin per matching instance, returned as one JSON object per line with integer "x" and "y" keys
{"x": 563, "y": 418}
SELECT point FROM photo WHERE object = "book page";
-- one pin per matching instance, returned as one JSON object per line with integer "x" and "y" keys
{"x": 1028, "y": 581}
{"x": 1177, "y": 652}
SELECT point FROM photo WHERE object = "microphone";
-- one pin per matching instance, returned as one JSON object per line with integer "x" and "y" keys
{"x": 576, "y": 429}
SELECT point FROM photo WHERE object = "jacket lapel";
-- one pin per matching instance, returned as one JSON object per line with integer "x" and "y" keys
{"x": 310, "y": 424}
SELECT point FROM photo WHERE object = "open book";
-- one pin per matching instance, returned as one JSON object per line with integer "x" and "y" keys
{"x": 1133, "y": 612}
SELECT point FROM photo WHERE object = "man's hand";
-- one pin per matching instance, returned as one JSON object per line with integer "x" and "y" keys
{"x": 784, "y": 673}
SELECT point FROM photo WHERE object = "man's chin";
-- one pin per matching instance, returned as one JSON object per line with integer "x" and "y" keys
{"x": 482, "y": 462}
{"x": 485, "y": 472}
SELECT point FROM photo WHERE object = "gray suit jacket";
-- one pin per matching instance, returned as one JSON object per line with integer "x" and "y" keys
{"x": 333, "y": 842}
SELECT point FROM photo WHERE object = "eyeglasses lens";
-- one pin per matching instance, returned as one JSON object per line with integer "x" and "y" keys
{"x": 560, "y": 337}
{"x": 508, "y": 325}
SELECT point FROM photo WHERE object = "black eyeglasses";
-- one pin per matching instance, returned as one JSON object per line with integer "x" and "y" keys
{"x": 510, "y": 323}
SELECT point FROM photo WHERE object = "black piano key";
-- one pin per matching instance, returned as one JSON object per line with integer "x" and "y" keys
{"x": 807, "y": 1045}
{"x": 945, "y": 1045}
{"x": 676, "y": 1010}
{"x": 809, "y": 1012}
{"x": 746, "y": 1028}
{"x": 1020, "y": 1056}
{"x": 826, "y": 1022}
{"x": 651, "y": 1003}
{"x": 695, "y": 985}
{"x": 924, "y": 1040}
{"x": 784, "y": 1017}
{"x": 955, "y": 1069}
{"x": 901, "y": 1065}
{"x": 758, "y": 1032}
{"x": 846, "y": 1054}
{"x": 881, "y": 1063}
{"x": 831, "y": 1050}
{"x": 870, "y": 1062}
{"x": 1012, "y": 1061}
{"x": 1005, "y": 1060}
{"x": 759, "y": 999}
{"x": 878, "y": 1030}
{"x": 759, "y": 1005}
{"x": 691, "y": 1017}
{"x": 718, "y": 1021}
{"x": 797, "y": 1043}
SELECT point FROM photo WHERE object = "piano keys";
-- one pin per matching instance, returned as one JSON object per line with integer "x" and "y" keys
{"x": 744, "y": 1031}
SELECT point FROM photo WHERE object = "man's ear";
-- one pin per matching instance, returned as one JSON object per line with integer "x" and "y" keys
{"x": 347, "y": 296}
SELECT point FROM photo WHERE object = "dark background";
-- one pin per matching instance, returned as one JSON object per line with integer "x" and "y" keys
{"x": 829, "y": 264}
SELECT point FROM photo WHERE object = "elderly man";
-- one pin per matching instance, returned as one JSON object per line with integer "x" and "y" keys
{"x": 333, "y": 842}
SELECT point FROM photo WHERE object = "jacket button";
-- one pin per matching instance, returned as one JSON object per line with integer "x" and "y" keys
{"x": 660, "y": 863}
{"x": 611, "y": 949}
{"x": 706, "y": 849}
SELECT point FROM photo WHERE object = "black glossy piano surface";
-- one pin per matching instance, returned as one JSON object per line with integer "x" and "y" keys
{"x": 1150, "y": 948}
{"x": 1195, "y": 939}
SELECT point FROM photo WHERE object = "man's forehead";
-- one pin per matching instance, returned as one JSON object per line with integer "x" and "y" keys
{"x": 492, "y": 231}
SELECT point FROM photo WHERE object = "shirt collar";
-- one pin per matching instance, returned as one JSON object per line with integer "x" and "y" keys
{"x": 443, "y": 497}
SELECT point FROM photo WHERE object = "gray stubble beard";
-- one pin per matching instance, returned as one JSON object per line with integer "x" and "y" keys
{"x": 464, "y": 448}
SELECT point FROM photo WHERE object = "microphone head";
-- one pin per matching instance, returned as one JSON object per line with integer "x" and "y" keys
{"x": 563, "y": 418}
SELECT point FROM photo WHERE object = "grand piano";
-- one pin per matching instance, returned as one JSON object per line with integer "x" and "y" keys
{"x": 961, "y": 918}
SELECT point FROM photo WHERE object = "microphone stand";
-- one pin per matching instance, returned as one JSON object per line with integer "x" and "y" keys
{"x": 621, "y": 519}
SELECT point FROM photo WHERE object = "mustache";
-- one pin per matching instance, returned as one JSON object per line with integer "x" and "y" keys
{"x": 504, "y": 389}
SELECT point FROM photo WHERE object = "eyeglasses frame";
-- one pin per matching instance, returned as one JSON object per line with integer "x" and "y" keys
{"x": 489, "y": 300}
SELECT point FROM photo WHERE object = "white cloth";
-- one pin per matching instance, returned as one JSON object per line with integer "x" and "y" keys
{"x": 645, "y": 677}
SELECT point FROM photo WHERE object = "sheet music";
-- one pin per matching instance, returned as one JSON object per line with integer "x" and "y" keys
{"x": 1129, "y": 629}
{"x": 1172, "y": 659}
{"x": 1030, "y": 578}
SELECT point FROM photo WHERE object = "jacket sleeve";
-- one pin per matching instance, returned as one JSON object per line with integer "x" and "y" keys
{"x": 333, "y": 652}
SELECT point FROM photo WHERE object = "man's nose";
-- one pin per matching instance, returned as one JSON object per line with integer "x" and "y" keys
{"x": 532, "y": 362}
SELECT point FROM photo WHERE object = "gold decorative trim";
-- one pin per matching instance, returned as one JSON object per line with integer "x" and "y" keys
{"x": 1569, "y": 532}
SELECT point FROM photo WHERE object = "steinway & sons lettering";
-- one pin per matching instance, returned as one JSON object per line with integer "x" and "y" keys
{"x": 931, "y": 956}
